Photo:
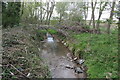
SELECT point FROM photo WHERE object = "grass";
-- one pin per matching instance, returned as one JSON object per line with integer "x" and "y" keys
{"x": 100, "y": 52}
{"x": 51, "y": 31}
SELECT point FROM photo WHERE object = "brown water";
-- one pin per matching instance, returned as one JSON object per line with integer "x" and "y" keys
{"x": 54, "y": 54}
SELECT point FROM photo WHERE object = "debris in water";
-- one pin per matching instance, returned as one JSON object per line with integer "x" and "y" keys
{"x": 78, "y": 70}
{"x": 75, "y": 58}
{"x": 28, "y": 74}
{"x": 65, "y": 43}
{"x": 69, "y": 67}
{"x": 69, "y": 55}
{"x": 81, "y": 61}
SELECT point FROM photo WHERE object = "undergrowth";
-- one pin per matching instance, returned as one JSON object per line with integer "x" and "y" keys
{"x": 21, "y": 55}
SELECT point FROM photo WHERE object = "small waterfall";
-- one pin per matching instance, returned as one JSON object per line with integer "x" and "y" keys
{"x": 51, "y": 42}
{"x": 49, "y": 38}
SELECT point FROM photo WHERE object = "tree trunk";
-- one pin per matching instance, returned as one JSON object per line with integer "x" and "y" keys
{"x": 60, "y": 18}
{"x": 93, "y": 9}
{"x": 44, "y": 17}
{"x": 93, "y": 16}
{"x": 118, "y": 33}
{"x": 61, "y": 15}
{"x": 22, "y": 8}
{"x": 47, "y": 13}
{"x": 51, "y": 11}
{"x": 41, "y": 14}
{"x": 85, "y": 11}
{"x": 110, "y": 18}
{"x": 90, "y": 20}
{"x": 100, "y": 13}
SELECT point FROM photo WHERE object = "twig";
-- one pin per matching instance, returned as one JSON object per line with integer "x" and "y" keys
{"x": 26, "y": 50}
{"x": 28, "y": 74}
{"x": 39, "y": 49}
{"x": 18, "y": 70}
{"x": 69, "y": 67}
{"x": 11, "y": 73}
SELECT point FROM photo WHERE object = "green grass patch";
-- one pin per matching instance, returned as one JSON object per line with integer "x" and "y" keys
{"x": 100, "y": 52}
{"x": 51, "y": 31}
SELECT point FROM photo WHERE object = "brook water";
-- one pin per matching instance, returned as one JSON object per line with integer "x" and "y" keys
{"x": 54, "y": 54}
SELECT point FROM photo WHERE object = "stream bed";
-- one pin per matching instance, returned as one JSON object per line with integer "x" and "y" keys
{"x": 54, "y": 55}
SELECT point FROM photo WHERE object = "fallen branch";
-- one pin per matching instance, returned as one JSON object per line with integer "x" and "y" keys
{"x": 18, "y": 70}
{"x": 12, "y": 73}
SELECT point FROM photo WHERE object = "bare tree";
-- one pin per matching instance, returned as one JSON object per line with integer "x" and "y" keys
{"x": 47, "y": 11}
{"x": 41, "y": 12}
{"x": 51, "y": 11}
{"x": 93, "y": 9}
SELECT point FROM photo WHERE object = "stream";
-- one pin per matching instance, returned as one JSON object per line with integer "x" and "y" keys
{"x": 54, "y": 55}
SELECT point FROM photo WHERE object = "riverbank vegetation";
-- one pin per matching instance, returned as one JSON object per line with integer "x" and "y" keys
{"x": 25, "y": 25}
{"x": 100, "y": 53}
{"x": 21, "y": 56}
{"x": 99, "y": 50}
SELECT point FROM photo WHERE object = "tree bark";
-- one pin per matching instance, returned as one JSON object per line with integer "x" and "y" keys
{"x": 90, "y": 20}
{"x": 100, "y": 13}
{"x": 93, "y": 9}
{"x": 47, "y": 13}
{"x": 85, "y": 11}
{"x": 93, "y": 16}
{"x": 110, "y": 18}
{"x": 60, "y": 18}
{"x": 51, "y": 11}
{"x": 41, "y": 12}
